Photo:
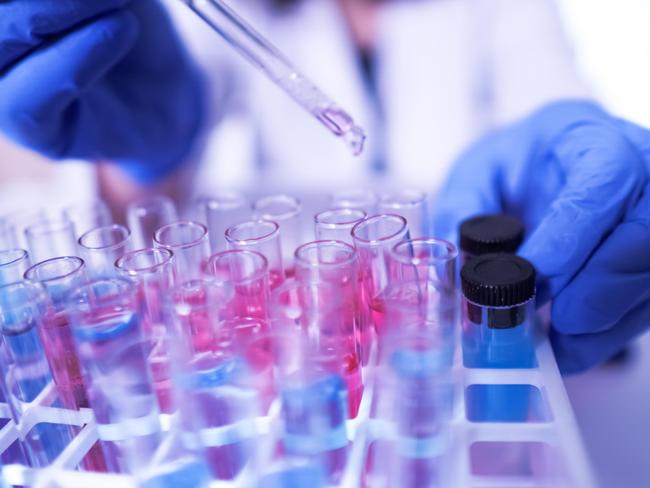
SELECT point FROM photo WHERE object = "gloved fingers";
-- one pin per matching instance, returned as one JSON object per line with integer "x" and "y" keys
{"x": 39, "y": 94}
{"x": 615, "y": 280}
{"x": 577, "y": 353}
{"x": 25, "y": 25}
{"x": 604, "y": 178}
{"x": 472, "y": 188}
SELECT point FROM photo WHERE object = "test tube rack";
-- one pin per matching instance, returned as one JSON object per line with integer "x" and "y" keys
{"x": 546, "y": 450}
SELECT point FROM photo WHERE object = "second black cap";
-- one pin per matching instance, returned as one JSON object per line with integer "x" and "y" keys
{"x": 498, "y": 280}
{"x": 491, "y": 233}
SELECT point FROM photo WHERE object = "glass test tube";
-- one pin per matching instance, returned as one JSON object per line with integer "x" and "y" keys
{"x": 410, "y": 204}
{"x": 374, "y": 239}
{"x": 337, "y": 224}
{"x": 218, "y": 395}
{"x": 8, "y": 238}
{"x": 286, "y": 211}
{"x": 105, "y": 317}
{"x": 59, "y": 276}
{"x": 262, "y": 236}
{"x": 189, "y": 243}
{"x": 246, "y": 273}
{"x": 13, "y": 225}
{"x": 219, "y": 212}
{"x": 330, "y": 270}
{"x": 146, "y": 216}
{"x": 360, "y": 198}
{"x": 153, "y": 270}
{"x": 25, "y": 371}
{"x": 51, "y": 238}
{"x": 13, "y": 265}
{"x": 414, "y": 390}
{"x": 88, "y": 215}
{"x": 101, "y": 247}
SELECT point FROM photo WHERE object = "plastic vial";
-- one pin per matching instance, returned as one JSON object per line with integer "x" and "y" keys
{"x": 499, "y": 311}
{"x": 485, "y": 234}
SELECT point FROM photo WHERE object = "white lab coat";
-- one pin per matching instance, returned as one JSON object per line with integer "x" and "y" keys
{"x": 447, "y": 71}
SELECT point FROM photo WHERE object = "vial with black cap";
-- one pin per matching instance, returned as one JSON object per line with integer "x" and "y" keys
{"x": 490, "y": 233}
{"x": 499, "y": 311}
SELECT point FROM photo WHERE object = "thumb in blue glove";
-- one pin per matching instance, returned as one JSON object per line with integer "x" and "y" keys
{"x": 575, "y": 176}
{"x": 100, "y": 80}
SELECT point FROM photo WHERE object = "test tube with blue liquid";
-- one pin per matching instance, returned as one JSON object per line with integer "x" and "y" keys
{"x": 107, "y": 328}
{"x": 25, "y": 372}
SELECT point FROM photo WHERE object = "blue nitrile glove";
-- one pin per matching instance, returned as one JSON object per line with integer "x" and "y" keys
{"x": 98, "y": 80}
{"x": 578, "y": 178}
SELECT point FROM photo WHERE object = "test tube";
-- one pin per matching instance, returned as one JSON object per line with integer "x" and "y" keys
{"x": 146, "y": 216}
{"x": 88, "y": 215}
{"x": 219, "y": 212}
{"x": 414, "y": 392}
{"x": 360, "y": 198}
{"x": 330, "y": 269}
{"x": 59, "y": 276}
{"x": 262, "y": 236}
{"x": 337, "y": 224}
{"x": 13, "y": 264}
{"x": 286, "y": 211}
{"x": 25, "y": 371}
{"x": 247, "y": 274}
{"x": 499, "y": 312}
{"x": 153, "y": 271}
{"x": 13, "y": 225}
{"x": 410, "y": 204}
{"x": 8, "y": 238}
{"x": 190, "y": 245}
{"x": 51, "y": 238}
{"x": 374, "y": 239}
{"x": 105, "y": 317}
{"x": 101, "y": 247}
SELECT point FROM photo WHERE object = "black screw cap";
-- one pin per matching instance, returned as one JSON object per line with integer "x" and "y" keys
{"x": 486, "y": 234}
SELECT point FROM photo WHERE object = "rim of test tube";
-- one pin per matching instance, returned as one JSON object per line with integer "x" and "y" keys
{"x": 32, "y": 273}
{"x": 371, "y": 220}
{"x": 294, "y": 203}
{"x": 49, "y": 226}
{"x": 144, "y": 205}
{"x": 12, "y": 256}
{"x": 203, "y": 232}
{"x": 259, "y": 271}
{"x": 411, "y": 259}
{"x": 316, "y": 245}
{"x": 166, "y": 254}
{"x": 274, "y": 226}
{"x": 322, "y": 217}
{"x": 403, "y": 198}
{"x": 125, "y": 232}
{"x": 226, "y": 200}
{"x": 355, "y": 197}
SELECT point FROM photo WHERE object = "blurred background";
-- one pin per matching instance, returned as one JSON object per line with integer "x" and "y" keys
{"x": 612, "y": 47}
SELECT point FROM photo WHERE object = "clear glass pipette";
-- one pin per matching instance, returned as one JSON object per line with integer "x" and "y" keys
{"x": 261, "y": 53}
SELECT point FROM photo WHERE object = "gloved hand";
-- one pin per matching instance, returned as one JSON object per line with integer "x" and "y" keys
{"x": 578, "y": 179}
{"x": 98, "y": 80}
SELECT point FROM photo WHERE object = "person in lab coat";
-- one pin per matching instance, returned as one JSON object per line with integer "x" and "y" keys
{"x": 112, "y": 80}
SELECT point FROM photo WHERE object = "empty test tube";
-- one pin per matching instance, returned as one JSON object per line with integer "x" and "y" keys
{"x": 190, "y": 245}
{"x": 360, "y": 198}
{"x": 25, "y": 371}
{"x": 248, "y": 42}
{"x": 101, "y": 247}
{"x": 219, "y": 212}
{"x": 51, "y": 238}
{"x": 13, "y": 225}
{"x": 261, "y": 236}
{"x": 153, "y": 271}
{"x": 13, "y": 265}
{"x": 337, "y": 224}
{"x": 286, "y": 211}
{"x": 88, "y": 215}
{"x": 410, "y": 204}
{"x": 146, "y": 216}
{"x": 105, "y": 317}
